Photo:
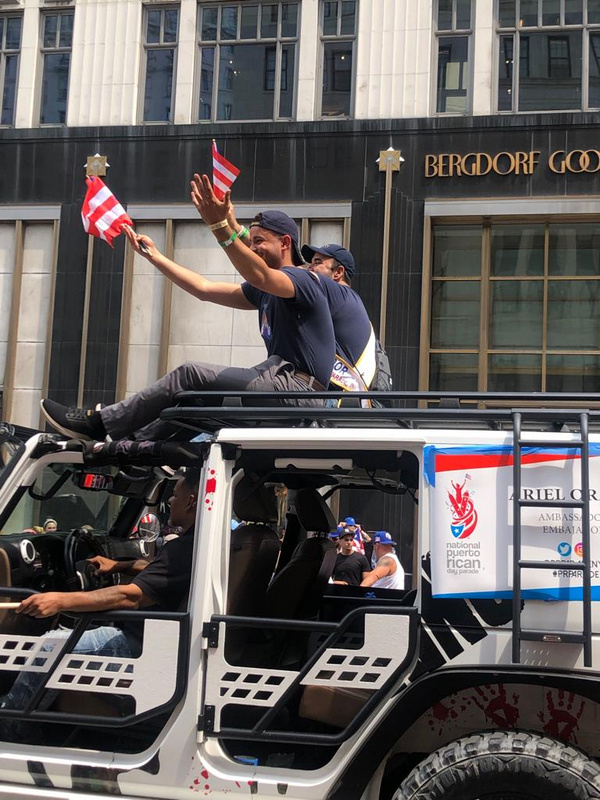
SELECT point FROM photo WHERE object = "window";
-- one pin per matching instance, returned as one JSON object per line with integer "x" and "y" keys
{"x": 515, "y": 306}
{"x": 338, "y": 34}
{"x": 548, "y": 55}
{"x": 453, "y": 31}
{"x": 57, "y": 41}
{"x": 161, "y": 30}
{"x": 10, "y": 45}
{"x": 247, "y": 61}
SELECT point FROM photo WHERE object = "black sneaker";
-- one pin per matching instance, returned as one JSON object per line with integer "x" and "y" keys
{"x": 77, "y": 423}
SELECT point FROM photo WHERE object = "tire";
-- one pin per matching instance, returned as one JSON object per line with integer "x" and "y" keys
{"x": 503, "y": 765}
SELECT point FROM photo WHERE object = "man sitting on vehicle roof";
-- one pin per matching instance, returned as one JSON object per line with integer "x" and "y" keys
{"x": 294, "y": 318}
{"x": 161, "y": 584}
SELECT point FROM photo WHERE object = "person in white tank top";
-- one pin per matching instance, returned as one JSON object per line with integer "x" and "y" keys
{"x": 388, "y": 572}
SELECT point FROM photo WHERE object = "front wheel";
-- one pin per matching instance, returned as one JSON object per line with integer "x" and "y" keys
{"x": 503, "y": 765}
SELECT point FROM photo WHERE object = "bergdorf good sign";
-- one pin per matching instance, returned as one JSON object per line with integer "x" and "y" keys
{"x": 521, "y": 162}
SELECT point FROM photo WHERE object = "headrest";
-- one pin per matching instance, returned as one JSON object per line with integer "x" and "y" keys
{"x": 313, "y": 512}
{"x": 253, "y": 502}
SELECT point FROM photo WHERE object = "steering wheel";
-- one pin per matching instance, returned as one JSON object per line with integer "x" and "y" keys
{"x": 74, "y": 578}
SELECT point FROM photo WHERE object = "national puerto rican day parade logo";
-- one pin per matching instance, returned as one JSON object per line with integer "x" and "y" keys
{"x": 464, "y": 516}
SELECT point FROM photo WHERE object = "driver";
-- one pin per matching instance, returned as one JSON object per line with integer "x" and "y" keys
{"x": 161, "y": 584}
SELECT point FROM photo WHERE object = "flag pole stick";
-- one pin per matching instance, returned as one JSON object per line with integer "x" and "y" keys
{"x": 389, "y": 162}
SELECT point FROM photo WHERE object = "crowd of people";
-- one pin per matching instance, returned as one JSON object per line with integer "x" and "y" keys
{"x": 352, "y": 567}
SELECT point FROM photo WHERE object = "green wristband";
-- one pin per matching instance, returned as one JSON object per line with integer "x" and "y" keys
{"x": 243, "y": 232}
{"x": 229, "y": 241}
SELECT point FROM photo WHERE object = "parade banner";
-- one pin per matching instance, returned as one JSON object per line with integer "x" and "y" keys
{"x": 471, "y": 521}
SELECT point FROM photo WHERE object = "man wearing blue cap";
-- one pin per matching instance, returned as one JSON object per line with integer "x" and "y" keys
{"x": 294, "y": 318}
{"x": 388, "y": 572}
{"x": 357, "y": 348}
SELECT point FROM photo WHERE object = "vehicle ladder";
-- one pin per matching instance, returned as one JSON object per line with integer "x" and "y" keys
{"x": 521, "y": 634}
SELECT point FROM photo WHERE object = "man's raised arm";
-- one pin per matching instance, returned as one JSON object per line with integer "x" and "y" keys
{"x": 251, "y": 266}
{"x": 223, "y": 294}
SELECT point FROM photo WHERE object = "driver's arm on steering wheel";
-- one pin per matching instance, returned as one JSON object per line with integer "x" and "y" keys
{"x": 107, "y": 566}
{"x": 127, "y": 597}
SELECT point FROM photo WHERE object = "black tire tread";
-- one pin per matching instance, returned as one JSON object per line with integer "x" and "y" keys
{"x": 561, "y": 765}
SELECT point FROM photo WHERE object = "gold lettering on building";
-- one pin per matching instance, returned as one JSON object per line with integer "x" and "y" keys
{"x": 449, "y": 165}
{"x": 574, "y": 161}
{"x": 521, "y": 162}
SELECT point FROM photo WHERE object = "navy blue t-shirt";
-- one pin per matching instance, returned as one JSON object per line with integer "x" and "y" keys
{"x": 351, "y": 323}
{"x": 298, "y": 329}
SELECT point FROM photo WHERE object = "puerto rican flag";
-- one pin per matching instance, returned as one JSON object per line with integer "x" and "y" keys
{"x": 224, "y": 173}
{"x": 358, "y": 545}
{"x": 102, "y": 214}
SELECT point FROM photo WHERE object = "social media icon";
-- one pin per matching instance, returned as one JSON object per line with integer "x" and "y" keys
{"x": 564, "y": 549}
{"x": 579, "y": 549}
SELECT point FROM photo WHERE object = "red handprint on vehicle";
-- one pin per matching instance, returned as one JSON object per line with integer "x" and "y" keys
{"x": 495, "y": 704}
{"x": 562, "y": 720}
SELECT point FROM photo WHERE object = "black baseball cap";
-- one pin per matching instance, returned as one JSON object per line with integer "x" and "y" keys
{"x": 336, "y": 251}
{"x": 280, "y": 222}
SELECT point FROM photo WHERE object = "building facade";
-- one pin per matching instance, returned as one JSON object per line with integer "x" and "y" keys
{"x": 493, "y": 276}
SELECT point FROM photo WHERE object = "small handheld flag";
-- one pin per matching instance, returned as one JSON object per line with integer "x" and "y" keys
{"x": 102, "y": 214}
{"x": 224, "y": 173}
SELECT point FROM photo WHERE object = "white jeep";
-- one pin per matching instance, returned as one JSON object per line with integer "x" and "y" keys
{"x": 480, "y": 680}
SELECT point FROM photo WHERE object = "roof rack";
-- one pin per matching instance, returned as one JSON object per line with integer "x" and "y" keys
{"x": 211, "y": 411}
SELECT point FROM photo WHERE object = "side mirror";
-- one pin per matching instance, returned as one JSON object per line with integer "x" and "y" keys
{"x": 149, "y": 528}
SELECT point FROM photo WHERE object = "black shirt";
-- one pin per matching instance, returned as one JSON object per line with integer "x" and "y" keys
{"x": 166, "y": 579}
{"x": 351, "y": 323}
{"x": 298, "y": 329}
{"x": 350, "y": 568}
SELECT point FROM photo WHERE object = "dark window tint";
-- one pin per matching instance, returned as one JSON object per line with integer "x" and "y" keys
{"x": 551, "y": 12}
{"x": 55, "y": 84}
{"x": 10, "y": 44}
{"x": 65, "y": 38}
{"x": 330, "y": 18}
{"x": 505, "y": 73}
{"x": 348, "y": 19}
{"x": 50, "y": 30}
{"x": 337, "y": 78}
{"x": 255, "y": 78}
{"x": 10, "y": 89}
{"x": 249, "y": 22}
{"x": 206, "y": 82}
{"x": 593, "y": 12}
{"x": 270, "y": 15}
{"x": 286, "y": 93}
{"x": 506, "y": 13}
{"x": 594, "y": 88}
{"x": 573, "y": 12}
{"x": 550, "y": 71}
{"x": 13, "y": 33}
{"x": 153, "y": 27}
{"x": 444, "y": 21}
{"x": 289, "y": 19}
{"x": 452, "y": 74}
{"x": 171, "y": 23}
{"x": 159, "y": 85}
{"x": 229, "y": 16}
{"x": 463, "y": 14}
{"x": 209, "y": 23}
{"x": 529, "y": 13}
{"x": 239, "y": 95}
